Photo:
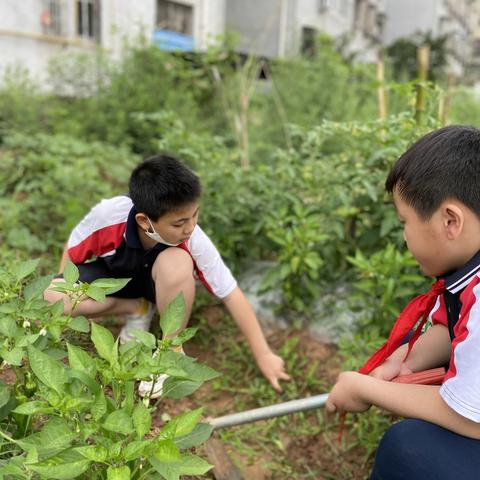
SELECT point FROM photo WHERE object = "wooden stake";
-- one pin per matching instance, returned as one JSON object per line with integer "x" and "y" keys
{"x": 447, "y": 99}
{"x": 422, "y": 62}
{"x": 382, "y": 108}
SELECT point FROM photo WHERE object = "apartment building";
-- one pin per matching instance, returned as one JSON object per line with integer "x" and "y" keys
{"x": 455, "y": 19}
{"x": 32, "y": 32}
{"x": 279, "y": 28}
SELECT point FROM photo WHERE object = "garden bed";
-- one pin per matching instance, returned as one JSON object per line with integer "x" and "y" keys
{"x": 299, "y": 446}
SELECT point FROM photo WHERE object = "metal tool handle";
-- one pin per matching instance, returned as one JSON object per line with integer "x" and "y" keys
{"x": 264, "y": 413}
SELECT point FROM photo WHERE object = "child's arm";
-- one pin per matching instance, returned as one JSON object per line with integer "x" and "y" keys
{"x": 355, "y": 392}
{"x": 432, "y": 349}
{"x": 271, "y": 365}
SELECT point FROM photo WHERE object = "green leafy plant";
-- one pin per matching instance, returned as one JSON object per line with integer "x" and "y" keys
{"x": 387, "y": 281}
{"x": 73, "y": 410}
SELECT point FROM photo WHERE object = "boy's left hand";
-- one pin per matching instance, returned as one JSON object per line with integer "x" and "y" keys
{"x": 273, "y": 368}
{"x": 346, "y": 394}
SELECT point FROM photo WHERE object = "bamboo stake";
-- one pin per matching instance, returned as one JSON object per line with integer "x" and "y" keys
{"x": 382, "y": 107}
{"x": 422, "y": 62}
{"x": 447, "y": 99}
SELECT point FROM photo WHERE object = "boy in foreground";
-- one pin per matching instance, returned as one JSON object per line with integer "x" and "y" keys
{"x": 436, "y": 191}
{"x": 152, "y": 237}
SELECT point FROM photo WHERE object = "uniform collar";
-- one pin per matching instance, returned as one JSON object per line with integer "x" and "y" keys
{"x": 131, "y": 232}
{"x": 458, "y": 280}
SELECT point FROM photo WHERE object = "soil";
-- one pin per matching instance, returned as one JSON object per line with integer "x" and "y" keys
{"x": 315, "y": 454}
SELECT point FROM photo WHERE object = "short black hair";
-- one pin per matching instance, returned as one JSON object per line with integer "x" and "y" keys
{"x": 442, "y": 165}
{"x": 162, "y": 184}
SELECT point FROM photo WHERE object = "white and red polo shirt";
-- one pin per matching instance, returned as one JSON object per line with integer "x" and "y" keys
{"x": 459, "y": 310}
{"x": 109, "y": 232}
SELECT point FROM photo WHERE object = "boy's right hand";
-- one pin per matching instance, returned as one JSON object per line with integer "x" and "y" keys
{"x": 391, "y": 368}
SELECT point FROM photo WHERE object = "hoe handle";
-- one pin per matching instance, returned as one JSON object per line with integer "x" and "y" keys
{"x": 271, "y": 411}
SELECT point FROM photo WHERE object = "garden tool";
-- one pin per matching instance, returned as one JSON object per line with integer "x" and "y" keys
{"x": 224, "y": 469}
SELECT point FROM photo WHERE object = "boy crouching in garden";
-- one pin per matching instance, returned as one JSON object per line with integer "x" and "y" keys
{"x": 436, "y": 191}
{"x": 152, "y": 237}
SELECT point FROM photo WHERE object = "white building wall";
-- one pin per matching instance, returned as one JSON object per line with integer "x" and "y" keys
{"x": 23, "y": 42}
{"x": 335, "y": 19}
{"x": 126, "y": 21}
{"x": 407, "y": 17}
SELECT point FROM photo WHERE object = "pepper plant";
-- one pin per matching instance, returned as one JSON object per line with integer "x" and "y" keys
{"x": 73, "y": 411}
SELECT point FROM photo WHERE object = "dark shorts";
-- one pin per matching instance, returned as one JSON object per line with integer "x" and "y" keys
{"x": 140, "y": 285}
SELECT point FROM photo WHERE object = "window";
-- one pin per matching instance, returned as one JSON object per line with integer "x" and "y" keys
{"x": 359, "y": 13}
{"x": 88, "y": 19}
{"x": 175, "y": 16}
{"x": 51, "y": 17}
{"x": 324, "y": 5}
{"x": 308, "y": 41}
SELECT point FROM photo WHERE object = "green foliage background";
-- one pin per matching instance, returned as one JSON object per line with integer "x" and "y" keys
{"x": 292, "y": 168}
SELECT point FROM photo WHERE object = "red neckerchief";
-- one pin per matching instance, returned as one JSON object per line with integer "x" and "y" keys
{"x": 418, "y": 309}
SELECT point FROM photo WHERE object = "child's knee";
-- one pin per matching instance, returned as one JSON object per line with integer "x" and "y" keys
{"x": 173, "y": 266}
{"x": 51, "y": 296}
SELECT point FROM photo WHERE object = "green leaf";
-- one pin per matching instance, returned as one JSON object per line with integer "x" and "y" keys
{"x": 4, "y": 394}
{"x": 49, "y": 371}
{"x": 27, "y": 340}
{"x": 167, "y": 451}
{"x": 184, "y": 336}
{"x": 7, "y": 402}
{"x": 142, "y": 420}
{"x": 8, "y": 327}
{"x": 99, "y": 407}
{"x": 104, "y": 342}
{"x": 198, "y": 435}
{"x": 55, "y": 436}
{"x": 80, "y": 360}
{"x": 146, "y": 338}
{"x": 178, "y": 365}
{"x": 173, "y": 316}
{"x": 119, "y": 421}
{"x": 110, "y": 285}
{"x": 188, "y": 465}
{"x": 13, "y": 356}
{"x": 86, "y": 380}
{"x": 34, "y": 407}
{"x": 36, "y": 288}
{"x": 71, "y": 273}
{"x": 65, "y": 465}
{"x": 24, "y": 269}
{"x": 79, "y": 324}
{"x": 135, "y": 449}
{"x": 193, "y": 465}
{"x": 96, "y": 293}
{"x": 186, "y": 421}
{"x": 118, "y": 473}
{"x": 177, "y": 388}
{"x": 95, "y": 453}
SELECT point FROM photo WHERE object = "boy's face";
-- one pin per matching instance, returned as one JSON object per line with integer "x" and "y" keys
{"x": 425, "y": 239}
{"x": 174, "y": 227}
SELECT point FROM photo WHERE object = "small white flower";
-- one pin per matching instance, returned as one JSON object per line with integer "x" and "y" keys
{"x": 43, "y": 331}
{"x": 26, "y": 324}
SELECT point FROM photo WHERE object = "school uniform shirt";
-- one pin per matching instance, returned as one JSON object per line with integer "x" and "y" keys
{"x": 109, "y": 232}
{"x": 459, "y": 310}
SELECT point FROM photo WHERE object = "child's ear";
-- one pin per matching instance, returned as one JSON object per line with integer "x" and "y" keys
{"x": 142, "y": 221}
{"x": 453, "y": 220}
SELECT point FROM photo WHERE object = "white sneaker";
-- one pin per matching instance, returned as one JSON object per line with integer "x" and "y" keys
{"x": 137, "y": 321}
{"x": 147, "y": 386}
